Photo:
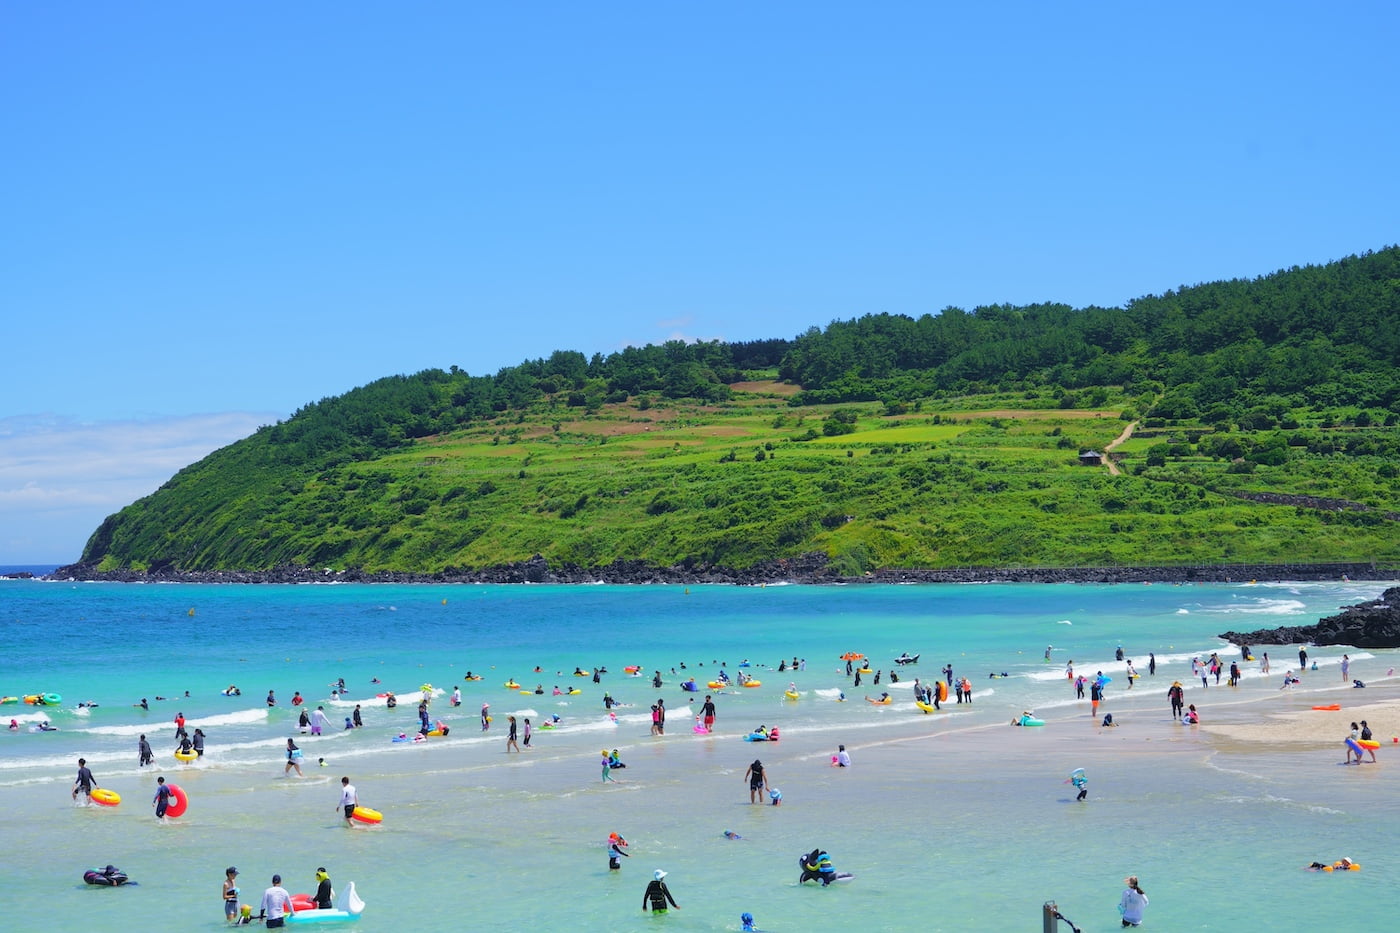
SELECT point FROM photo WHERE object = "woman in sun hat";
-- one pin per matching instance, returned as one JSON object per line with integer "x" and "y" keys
{"x": 657, "y": 895}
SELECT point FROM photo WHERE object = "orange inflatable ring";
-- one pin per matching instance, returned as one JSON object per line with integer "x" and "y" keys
{"x": 179, "y": 801}
{"x": 1333, "y": 708}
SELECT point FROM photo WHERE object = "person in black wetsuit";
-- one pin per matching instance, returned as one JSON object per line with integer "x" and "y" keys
{"x": 657, "y": 895}
{"x": 111, "y": 876}
{"x": 162, "y": 799}
{"x": 324, "y": 894}
{"x": 144, "y": 754}
{"x": 85, "y": 781}
{"x": 757, "y": 780}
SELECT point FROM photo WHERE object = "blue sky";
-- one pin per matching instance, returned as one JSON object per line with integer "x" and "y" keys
{"x": 214, "y": 214}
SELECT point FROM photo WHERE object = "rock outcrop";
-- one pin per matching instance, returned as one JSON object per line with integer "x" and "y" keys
{"x": 812, "y": 567}
{"x": 1374, "y": 624}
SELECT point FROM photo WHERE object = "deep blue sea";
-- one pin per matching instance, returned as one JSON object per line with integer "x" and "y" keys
{"x": 480, "y": 841}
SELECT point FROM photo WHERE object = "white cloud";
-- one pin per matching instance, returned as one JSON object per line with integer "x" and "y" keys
{"x": 59, "y": 478}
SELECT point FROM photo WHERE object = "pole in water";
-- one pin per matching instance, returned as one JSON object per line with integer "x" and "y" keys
{"x": 1051, "y": 917}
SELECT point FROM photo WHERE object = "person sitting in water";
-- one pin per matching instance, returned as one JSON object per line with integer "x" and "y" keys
{"x": 1354, "y": 683}
{"x": 1344, "y": 864}
{"x": 1108, "y": 720}
{"x": 817, "y": 867}
{"x": 14, "y": 725}
{"x": 613, "y": 761}
{"x": 391, "y": 701}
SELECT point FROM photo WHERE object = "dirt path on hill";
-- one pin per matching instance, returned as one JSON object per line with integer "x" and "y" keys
{"x": 1127, "y": 433}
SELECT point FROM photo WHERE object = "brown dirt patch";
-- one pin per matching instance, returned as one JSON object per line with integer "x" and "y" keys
{"x": 765, "y": 387}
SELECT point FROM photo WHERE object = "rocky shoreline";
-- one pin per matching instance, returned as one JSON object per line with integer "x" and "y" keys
{"x": 808, "y": 568}
{"x": 1373, "y": 624}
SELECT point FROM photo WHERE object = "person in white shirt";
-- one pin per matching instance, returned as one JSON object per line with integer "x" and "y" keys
{"x": 1133, "y": 902}
{"x": 276, "y": 904}
{"x": 349, "y": 800}
{"x": 843, "y": 757}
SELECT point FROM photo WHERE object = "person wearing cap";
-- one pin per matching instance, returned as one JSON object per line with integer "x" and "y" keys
{"x": 657, "y": 895}
{"x": 1366, "y": 737}
{"x": 230, "y": 894}
{"x": 615, "y": 846}
{"x": 324, "y": 895}
{"x": 1177, "y": 696}
{"x": 276, "y": 904}
{"x": 757, "y": 779}
{"x": 1133, "y": 901}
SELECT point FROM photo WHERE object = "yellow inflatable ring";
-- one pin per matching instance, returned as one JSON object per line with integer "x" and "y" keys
{"x": 108, "y": 798}
{"x": 187, "y": 756}
{"x": 366, "y": 815}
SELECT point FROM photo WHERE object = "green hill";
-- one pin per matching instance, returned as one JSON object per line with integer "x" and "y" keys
{"x": 1262, "y": 422}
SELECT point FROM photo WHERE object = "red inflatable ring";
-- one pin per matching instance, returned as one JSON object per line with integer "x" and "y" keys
{"x": 179, "y": 801}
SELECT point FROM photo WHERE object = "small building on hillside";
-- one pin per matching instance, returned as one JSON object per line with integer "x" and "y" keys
{"x": 1090, "y": 458}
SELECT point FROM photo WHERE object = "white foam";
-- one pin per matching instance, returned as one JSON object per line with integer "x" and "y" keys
{"x": 1257, "y": 606}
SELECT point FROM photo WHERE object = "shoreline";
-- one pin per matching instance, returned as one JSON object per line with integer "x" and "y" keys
{"x": 809, "y": 569}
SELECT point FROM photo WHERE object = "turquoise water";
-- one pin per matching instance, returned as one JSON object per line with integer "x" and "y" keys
{"x": 949, "y": 821}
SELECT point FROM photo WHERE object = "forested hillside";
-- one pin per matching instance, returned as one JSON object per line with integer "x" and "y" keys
{"x": 1262, "y": 414}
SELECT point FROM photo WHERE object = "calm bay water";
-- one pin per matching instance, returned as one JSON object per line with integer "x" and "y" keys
{"x": 950, "y": 822}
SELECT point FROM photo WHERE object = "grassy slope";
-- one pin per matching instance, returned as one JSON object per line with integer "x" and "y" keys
{"x": 981, "y": 481}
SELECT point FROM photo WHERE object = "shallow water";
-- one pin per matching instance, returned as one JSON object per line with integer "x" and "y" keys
{"x": 951, "y": 821}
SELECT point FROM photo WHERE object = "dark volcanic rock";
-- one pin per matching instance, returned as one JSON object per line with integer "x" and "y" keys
{"x": 804, "y": 568}
{"x": 1374, "y": 624}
